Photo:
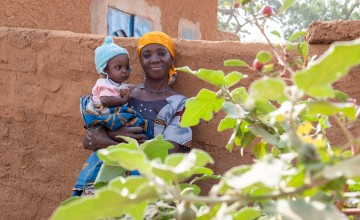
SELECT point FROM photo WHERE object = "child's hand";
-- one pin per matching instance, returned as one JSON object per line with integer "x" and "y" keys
{"x": 127, "y": 97}
{"x": 124, "y": 92}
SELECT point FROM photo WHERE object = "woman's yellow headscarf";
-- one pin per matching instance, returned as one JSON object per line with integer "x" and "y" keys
{"x": 157, "y": 37}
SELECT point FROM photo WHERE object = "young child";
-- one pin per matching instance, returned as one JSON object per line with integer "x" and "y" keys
{"x": 110, "y": 94}
{"x": 112, "y": 62}
{"x": 107, "y": 106}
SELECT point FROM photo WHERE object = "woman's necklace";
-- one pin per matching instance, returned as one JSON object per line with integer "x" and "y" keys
{"x": 143, "y": 86}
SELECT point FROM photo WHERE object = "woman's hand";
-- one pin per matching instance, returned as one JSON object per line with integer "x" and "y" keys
{"x": 97, "y": 138}
{"x": 132, "y": 132}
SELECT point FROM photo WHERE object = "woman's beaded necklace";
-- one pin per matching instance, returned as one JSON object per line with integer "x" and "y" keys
{"x": 143, "y": 86}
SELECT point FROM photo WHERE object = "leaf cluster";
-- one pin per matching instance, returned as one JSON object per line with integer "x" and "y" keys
{"x": 282, "y": 116}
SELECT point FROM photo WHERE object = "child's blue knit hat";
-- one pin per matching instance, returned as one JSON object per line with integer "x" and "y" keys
{"x": 106, "y": 52}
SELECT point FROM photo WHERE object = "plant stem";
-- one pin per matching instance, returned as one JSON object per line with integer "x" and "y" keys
{"x": 347, "y": 133}
{"x": 281, "y": 61}
{"x": 204, "y": 177}
{"x": 241, "y": 197}
{"x": 227, "y": 94}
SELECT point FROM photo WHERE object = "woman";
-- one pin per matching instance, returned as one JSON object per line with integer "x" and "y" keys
{"x": 154, "y": 100}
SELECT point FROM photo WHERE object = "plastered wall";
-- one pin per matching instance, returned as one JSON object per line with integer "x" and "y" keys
{"x": 43, "y": 74}
{"x": 90, "y": 16}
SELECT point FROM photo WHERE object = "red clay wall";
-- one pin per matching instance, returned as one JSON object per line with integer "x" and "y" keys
{"x": 75, "y": 16}
{"x": 326, "y": 32}
{"x": 202, "y": 11}
{"x": 66, "y": 15}
{"x": 43, "y": 74}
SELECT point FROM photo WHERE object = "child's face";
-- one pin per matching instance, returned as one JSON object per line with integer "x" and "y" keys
{"x": 118, "y": 68}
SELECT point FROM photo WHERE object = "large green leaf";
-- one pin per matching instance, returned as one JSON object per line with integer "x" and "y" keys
{"x": 264, "y": 107}
{"x": 299, "y": 209}
{"x": 222, "y": 186}
{"x": 105, "y": 204}
{"x": 268, "y": 172}
{"x": 348, "y": 168}
{"x": 174, "y": 159}
{"x": 193, "y": 188}
{"x": 135, "y": 188}
{"x": 185, "y": 69}
{"x": 239, "y": 94}
{"x": 267, "y": 88}
{"x": 233, "y": 78}
{"x": 144, "y": 194}
{"x": 195, "y": 158}
{"x": 267, "y": 68}
{"x": 214, "y": 77}
{"x": 263, "y": 57}
{"x": 226, "y": 123}
{"x": 234, "y": 111}
{"x": 341, "y": 96}
{"x": 286, "y": 111}
{"x": 245, "y": 139}
{"x": 329, "y": 108}
{"x": 298, "y": 179}
{"x": 264, "y": 134}
{"x": 183, "y": 169}
{"x": 107, "y": 173}
{"x": 130, "y": 144}
{"x": 235, "y": 62}
{"x": 331, "y": 66}
{"x": 247, "y": 213}
{"x": 260, "y": 149}
{"x": 156, "y": 148}
{"x": 165, "y": 172}
{"x": 131, "y": 183}
{"x": 258, "y": 190}
{"x": 201, "y": 106}
{"x": 129, "y": 159}
{"x": 203, "y": 171}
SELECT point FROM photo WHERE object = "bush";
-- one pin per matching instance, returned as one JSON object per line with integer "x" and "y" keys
{"x": 298, "y": 174}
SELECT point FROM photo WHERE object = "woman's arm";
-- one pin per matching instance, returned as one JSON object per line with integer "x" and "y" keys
{"x": 179, "y": 136}
{"x": 131, "y": 132}
{"x": 97, "y": 138}
{"x": 176, "y": 149}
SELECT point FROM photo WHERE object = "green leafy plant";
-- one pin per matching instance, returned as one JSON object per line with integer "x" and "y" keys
{"x": 282, "y": 116}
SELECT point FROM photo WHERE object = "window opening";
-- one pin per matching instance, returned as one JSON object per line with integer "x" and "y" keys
{"x": 123, "y": 24}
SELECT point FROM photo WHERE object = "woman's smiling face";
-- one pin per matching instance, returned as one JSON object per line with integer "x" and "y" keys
{"x": 156, "y": 61}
